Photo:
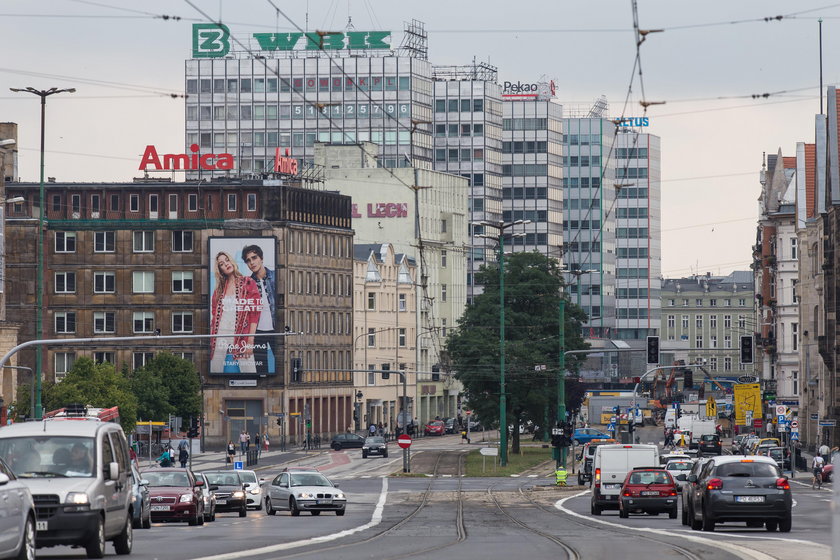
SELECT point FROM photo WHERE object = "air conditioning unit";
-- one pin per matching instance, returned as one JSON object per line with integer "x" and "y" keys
{"x": 94, "y": 215}
{"x": 75, "y": 216}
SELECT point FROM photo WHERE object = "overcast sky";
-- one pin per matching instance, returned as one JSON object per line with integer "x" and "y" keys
{"x": 709, "y": 61}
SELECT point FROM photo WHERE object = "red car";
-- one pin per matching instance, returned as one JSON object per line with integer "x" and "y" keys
{"x": 648, "y": 490}
{"x": 175, "y": 495}
{"x": 435, "y": 428}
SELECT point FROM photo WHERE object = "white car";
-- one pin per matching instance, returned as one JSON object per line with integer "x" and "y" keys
{"x": 17, "y": 517}
{"x": 679, "y": 469}
{"x": 668, "y": 457}
{"x": 253, "y": 489}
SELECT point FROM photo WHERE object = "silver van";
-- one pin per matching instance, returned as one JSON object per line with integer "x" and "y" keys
{"x": 79, "y": 473}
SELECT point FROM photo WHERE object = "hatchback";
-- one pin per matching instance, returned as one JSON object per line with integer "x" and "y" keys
{"x": 648, "y": 490}
{"x": 17, "y": 517}
{"x": 434, "y": 428}
{"x": 340, "y": 441}
{"x": 679, "y": 470}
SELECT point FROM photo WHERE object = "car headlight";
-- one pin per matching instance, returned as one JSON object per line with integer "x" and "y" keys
{"x": 238, "y": 494}
{"x": 339, "y": 496}
{"x": 365, "y": 447}
{"x": 255, "y": 491}
{"x": 186, "y": 498}
{"x": 77, "y": 498}
{"x": 306, "y": 495}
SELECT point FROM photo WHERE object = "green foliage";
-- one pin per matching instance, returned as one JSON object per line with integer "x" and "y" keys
{"x": 533, "y": 288}
{"x": 167, "y": 385}
{"x": 95, "y": 385}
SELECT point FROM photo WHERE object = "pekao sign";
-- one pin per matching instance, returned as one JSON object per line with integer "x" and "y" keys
{"x": 535, "y": 90}
{"x": 383, "y": 210}
{"x": 212, "y": 40}
{"x": 188, "y": 162}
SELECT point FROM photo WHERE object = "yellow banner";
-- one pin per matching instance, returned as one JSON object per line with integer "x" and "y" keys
{"x": 747, "y": 397}
{"x": 711, "y": 408}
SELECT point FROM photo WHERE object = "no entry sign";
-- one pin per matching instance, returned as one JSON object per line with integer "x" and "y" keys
{"x": 404, "y": 441}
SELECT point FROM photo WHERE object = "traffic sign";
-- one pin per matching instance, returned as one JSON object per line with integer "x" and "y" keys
{"x": 489, "y": 451}
{"x": 815, "y": 416}
{"x": 557, "y": 431}
{"x": 404, "y": 441}
{"x": 237, "y": 465}
{"x": 829, "y": 423}
{"x": 780, "y": 410}
{"x": 794, "y": 425}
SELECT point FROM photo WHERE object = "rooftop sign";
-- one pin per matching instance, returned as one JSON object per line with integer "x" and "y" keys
{"x": 537, "y": 90}
{"x": 212, "y": 40}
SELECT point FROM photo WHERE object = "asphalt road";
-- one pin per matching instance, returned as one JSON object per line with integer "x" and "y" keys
{"x": 467, "y": 518}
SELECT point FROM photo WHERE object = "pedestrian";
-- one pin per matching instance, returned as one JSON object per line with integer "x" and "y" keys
{"x": 231, "y": 451}
{"x": 183, "y": 444}
{"x": 243, "y": 441}
{"x": 372, "y": 429}
{"x": 825, "y": 451}
{"x": 379, "y": 430}
{"x": 265, "y": 443}
{"x": 247, "y": 441}
{"x": 183, "y": 457}
{"x": 172, "y": 454}
{"x": 257, "y": 442}
{"x": 464, "y": 437}
{"x": 165, "y": 459}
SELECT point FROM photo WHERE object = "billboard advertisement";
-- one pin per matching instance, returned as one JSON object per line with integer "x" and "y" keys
{"x": 243, "y": 299}
{"x": 747, "y": 396}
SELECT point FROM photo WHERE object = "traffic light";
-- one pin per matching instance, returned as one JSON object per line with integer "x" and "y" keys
{"x": 617, "y": 410}
{"x": 746, "y": 349}
{"x": 653, "y": 349}
{"x": 297, "y": 369}
{"x": 279, "y": 421}
{"x": 385, "y": 371}
{"x": 192, "y": 432}
{"x": 688, "y": 378}
{"x": 436, "y": 373}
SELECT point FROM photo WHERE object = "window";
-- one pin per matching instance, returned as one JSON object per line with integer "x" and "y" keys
{"x": 231, "y": 202}
{"x": 727, "y": 341}
{"x": 793, "y": 256}
{"x": 115, "y": 203}
{"x": 727, "y": 303}
{"x": 144, "y": 322}
{"x": 144, "y": 241}
{"x": 402, "y": 338}
{"x": 795, "y": 377}
{"x": 685, "y": 322}
{"x": 182, "y": 322}
{"x": 252, "y": 202}
{"x": 95, "y": 203}
{"x": 671, "y": 303}
{"x": 685, "y": 303}
{"x": 103, "y": 321}
{"x": 104, "y": 241}
{"x": 443, "y": 259}
{"x": 443, "y": 327}
{"x": 742, "y": 302}
{"x": 443, "y": 292}
{"x": 63, "y": 363}
{"x": 698, "y": 302}
{"x": 56, "y": 203}
{"x": 65, "y": 322}
{"x": 182, "y": 282}
{"x": 371, "y": 336}
{"x": 794, "y": 331}
{"x": 104, "y": 283}
{"x": 698, "y": 341}
{"x": 65, "y": 242}
{"x": 173, "y": 203}
{"x": 672, "y": 321}
{"x": 65, "y": 282}
{"x": 192, "y": 202}
{"x": 134, "y": 203}
{"x": 153, "y": 203}
{"x": 402, "y": 302}
{"x": 713, "y": 363}
{"x": 143, "y": 282}
{"x": 140, "y": 359}
{"x": 104, "y": 357}
{"x": 76, "y": 204}
{"x": 371, "y": 301}
{"x": 713, "y": 322}
{"x": 712, "y": 303}
{"x": 713, "y": 341}
{"x": 182, "y": 241}
{"x": 727, "y": 321}
{"x": 742, "y": 322}
{"x": 727, "y": 363}
{"x": 698, "y": 321}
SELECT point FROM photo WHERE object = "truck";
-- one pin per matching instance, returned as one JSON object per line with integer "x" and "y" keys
{"x": 696, "y": 427}
{"x": 610, "y": 467}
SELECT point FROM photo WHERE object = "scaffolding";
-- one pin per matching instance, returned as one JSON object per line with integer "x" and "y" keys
{"x": 415, "y": 41}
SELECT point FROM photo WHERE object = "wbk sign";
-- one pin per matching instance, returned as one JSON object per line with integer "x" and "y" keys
{"x": 212, "y": 40}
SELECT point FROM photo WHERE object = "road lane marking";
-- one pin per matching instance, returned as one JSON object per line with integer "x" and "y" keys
{"x": 762, "y": 537}
{"x": 375, "y": 520}
{"x": 729, "y": 547}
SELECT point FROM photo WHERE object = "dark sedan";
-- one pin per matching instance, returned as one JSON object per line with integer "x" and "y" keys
{"x": 230, "y": 491}
{"x": 375, "y": 446}
{"x": 742, "y": 488}
{"x": 340, "y": 441}
{"x": 710, "y": 444}
{"x": 175, "y": 495}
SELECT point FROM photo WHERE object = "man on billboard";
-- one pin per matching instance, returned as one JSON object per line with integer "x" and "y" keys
{"x": 264, "y": 278}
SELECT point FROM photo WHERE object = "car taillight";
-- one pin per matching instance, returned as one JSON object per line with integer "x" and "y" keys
{"x": 626, "y": 493}
{"x": 782, "y": 484}
{"x": 671, "y": 492}
{"x": 714, "y": 484}
{"x": 597, "y": 477}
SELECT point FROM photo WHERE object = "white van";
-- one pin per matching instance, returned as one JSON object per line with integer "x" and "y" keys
{"x": 611, "y": 465}
{"x": 671, "y": 418}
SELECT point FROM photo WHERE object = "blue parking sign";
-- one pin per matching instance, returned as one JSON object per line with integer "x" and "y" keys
{"x": 237, "y": 465}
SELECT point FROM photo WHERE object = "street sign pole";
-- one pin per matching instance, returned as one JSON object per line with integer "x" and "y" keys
{"x": 404, "y": 441}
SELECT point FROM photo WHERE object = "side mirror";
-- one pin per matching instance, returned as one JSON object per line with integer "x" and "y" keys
{"x": 213, "y": 488}
{"x": 262, "y": 481}
{"x": 682, "y": 477}
{"x": 199, "y": 483}
{"x": 144, "y": 482}
{"x": 692, "y": 478}
{"x": 113, "y": 471}
{"x": 335, "y": 485}
{"x": 4, "y": 479}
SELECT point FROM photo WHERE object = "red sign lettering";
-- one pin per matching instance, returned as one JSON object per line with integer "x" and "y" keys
{"x": 188, "y": 162}
{"x": 383, "y": 210}
{"x": 285, "y": 164}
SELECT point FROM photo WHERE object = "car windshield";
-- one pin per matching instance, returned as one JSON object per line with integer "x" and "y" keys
{"x": 747, "y": 469}
{"x": 309, "y": 479}
{"x": 679, "y": 466}
{"x": 248, "y": 477}
{"x": 375, "y": 440}
{"x": 49, "y": 456}
{"x": 775, "y": 453}
{"x": 223, "y": 478}
{"x": 165, "y": 478}
{"x": 649, "y": 477}
{"x": 709, "y": 437}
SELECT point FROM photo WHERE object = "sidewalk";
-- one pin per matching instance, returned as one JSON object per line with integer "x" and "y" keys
{"x": 216, "y": 460}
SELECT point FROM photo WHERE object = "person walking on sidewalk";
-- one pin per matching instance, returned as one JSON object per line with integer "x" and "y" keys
{"x": 265, "y": 443}
{"x": 231, "y": 451}
{"x": 825, "y": 451}
{"x": 183, "y": 457}
{"x": 243, "y": 442}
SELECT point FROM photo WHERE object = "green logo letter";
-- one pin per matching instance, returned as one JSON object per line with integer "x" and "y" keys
{"x": 210, "y": 40}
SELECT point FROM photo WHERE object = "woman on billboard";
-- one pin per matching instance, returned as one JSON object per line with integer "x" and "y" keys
{"x": 235, "y": 310}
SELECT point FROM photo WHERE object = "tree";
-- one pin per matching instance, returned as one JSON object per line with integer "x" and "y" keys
{"x": 533, "y": 288}
{"x": 95, "y": 385}
{"x": 167, "y": 385}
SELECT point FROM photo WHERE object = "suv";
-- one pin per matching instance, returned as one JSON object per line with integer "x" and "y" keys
{"x": 79, "y": 473}
{"x": 340, "y": 441}
{"x": 710, "y": 444}
{"x": 738, "y": 488}
{"x": 687, "y": 490}
{"x": 18, "y": 538}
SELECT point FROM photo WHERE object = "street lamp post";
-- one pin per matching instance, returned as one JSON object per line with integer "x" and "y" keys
{"x": 500, "y": 238}
{"x": 31, "y": 388}
{"x": 39, "y": 295}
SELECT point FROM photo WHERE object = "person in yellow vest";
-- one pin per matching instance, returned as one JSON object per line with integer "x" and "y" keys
{"x": 560, "y": 476}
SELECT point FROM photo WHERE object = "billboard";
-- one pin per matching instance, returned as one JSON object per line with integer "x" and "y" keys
{"x": 747, "y": 396}
{"x": 243, "y": 286}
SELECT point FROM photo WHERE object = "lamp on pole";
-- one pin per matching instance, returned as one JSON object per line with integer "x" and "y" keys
{"x": 39, "y": 295}
{"x": 500, "y": 238}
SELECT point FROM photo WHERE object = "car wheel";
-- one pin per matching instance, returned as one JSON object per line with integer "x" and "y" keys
{"x": 692, "y": 520}
{"x": 293, "y": 509}
{"x": 147, "y": 521}
{"x": 27, "y": 545}
{"x": 339, "y": 512}
{"x": 576, "y": 443}
{"x": 95, "y": 547}
{"x": 315, "y": 512}
{"x": 384, "y": 455}
{"x": 673, "y": 513}
{"x": 623, "y": 513}
{"x": 785, "y": 524}
{"x": 201, "y": 519}
{"x": 336, "y": 446}
{"x": 243, "y": 512}
{"x": 122, "y": 544}
{"x": 684, "y": 515}
{"x": 596, "y": 510}
{"x": 194, "y": 521}
{"x": 364, "y": 455}
{"x": 259, "y": 506}
{"x": 268, "y": 509}
{"x": 708, "y": 522}
{"x": 771, "y": 526}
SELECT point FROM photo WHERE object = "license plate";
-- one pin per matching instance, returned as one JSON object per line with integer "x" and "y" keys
{"x": 612, "y": 485}
{"x": 41, "y": 525}
{"x": 221, "y": 502}
{"x": 749, "y": 499}
{"x": 160, "y": 508}
{"x": 323, "y": 502}
{"x": 650, "y": 493}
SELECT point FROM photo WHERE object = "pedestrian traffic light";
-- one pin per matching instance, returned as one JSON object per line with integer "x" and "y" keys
{"x": 653, "y": 349}
{"x": 688, "y": 378}
{"x": 746, "y": 349}
{"x": 386, "y": 371}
